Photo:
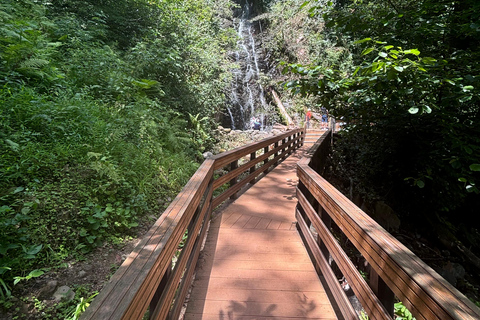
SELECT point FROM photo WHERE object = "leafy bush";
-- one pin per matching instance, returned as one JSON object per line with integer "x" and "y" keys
{"x": 409, "y": 100}
{"x": 95, "y": 99}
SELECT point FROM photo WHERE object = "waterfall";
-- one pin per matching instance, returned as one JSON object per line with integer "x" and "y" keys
{"x": 246, "y": 97}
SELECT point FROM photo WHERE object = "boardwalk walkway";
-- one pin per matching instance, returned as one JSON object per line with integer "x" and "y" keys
{"x": 254, "y": 265}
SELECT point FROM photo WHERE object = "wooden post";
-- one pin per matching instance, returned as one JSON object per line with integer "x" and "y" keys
{"x": 233, "y": 166}
{"x": 383, "y": 292}
{"x": 289, "y": 144}
{"x": 265, "y": 150}
{"x": 253, "y": 155}
{"x": 161, "y": 287}
{"x": 328, "y": 223}
{"x": 276, "y": 153}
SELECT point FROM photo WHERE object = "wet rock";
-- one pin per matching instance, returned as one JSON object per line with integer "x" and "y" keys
{"x": 47, "y": 291}
{"x": 386, "y": 217}
{"x": 64, "y": 292}
{"x": 276, "y": 132}
{"x": 207, "y": 155}
{"x": 279, "y": 127}
{"x": 453, "y": 272}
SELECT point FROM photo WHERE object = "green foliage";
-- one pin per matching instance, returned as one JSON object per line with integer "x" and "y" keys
{"x": 95, "y": 122}
{"x": 81, "y": 307}
{"x": 402, "y": 313}
{"x": 410, "y": 100}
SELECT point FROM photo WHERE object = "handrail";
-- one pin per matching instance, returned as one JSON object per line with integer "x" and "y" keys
{"x": 147, "y": 280}
{"x": 394, "y": 269}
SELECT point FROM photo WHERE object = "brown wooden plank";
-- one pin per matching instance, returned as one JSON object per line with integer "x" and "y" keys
{"x": 234, "y": 189}
{"x": 374, "y": 256}
{"x": 243, "y": 168}
{"x": 337, "y": 291}
{"x": 426, "y": 294}
{"x": 225, "y": 158}
{"x": 166, "y": 299}
{"x": 118, "y": 298}
{"x": 188, "y": 278}
{"x": 364, "y": 293}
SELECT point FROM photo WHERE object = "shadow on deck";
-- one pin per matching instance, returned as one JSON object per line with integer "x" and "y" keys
{"x": 254, "y": 264}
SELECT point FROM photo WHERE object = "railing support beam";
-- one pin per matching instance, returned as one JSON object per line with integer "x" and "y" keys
{"x": 383, "y": 292}
{"x": 233, "y": 166}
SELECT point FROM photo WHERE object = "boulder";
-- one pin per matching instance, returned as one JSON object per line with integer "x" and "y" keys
{"x": 64, "y": 292}
{"x": 207, "y": 155}
{"x": 47, "y": 291}
{"x": 386, "y": 217}
{"x": 453, "y": 272}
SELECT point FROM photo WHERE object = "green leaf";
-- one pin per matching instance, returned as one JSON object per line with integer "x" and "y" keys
{"x": 304, "y": 4}
{"x": 356, "y": 71}
{"x": 18, "y": 189}
{"x": 363, "y": 40}
{"x": 367, "y": 51}
{"x": 12, "y": 144}
{"x": 35, "y": 273}
{"x": 383, "y": 54}
{"x": 429, "y": 60}
{"x": 100, "y": 214}
{"x": 33, "y": 249}
{"x": 413, "y": 110}
{"x": 467, "y": 88}
{"x": 398, "y": 68}
{"x": 475, "y": 167}
{"x": 412, "y": 51}
{"x": 420, "y": 183}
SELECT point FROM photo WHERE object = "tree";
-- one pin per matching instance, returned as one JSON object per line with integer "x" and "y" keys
{"x": 410, "y": 101}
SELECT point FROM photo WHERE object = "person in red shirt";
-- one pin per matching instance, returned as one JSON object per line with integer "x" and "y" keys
{"x": 308, "y": 117}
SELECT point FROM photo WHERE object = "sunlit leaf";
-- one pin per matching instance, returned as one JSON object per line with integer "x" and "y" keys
{"x": 413, "y": 110}
{"x": 367, "y": 51}
{"x": 363, "y": 40}
{"x": 475, "y": 167}
{"x": 412, "y": 51}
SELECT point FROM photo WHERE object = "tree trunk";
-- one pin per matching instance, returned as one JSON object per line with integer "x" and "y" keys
{"x": 282, "y": 109}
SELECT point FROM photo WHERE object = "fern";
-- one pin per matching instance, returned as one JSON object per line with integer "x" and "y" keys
{"x": 33, "y": 63}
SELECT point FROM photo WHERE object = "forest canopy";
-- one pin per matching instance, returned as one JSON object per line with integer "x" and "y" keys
{"x": 403, "y": 78}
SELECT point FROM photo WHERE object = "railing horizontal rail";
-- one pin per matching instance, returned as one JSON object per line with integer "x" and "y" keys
{"x": 395, "y": 270}
{"x": 148, "y": 280}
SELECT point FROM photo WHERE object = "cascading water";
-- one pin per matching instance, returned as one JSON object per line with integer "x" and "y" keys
{"x": 246, "y": 97}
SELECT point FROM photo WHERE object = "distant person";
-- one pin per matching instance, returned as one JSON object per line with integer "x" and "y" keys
{"x": 256, "y": 124}
{"x": 324, "y": 118}
{"x": 308, "y": 117}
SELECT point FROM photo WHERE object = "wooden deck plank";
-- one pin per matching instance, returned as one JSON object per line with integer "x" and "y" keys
{"x": 254, "y": 265}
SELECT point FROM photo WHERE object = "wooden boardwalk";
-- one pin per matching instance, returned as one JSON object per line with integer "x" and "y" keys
{"x": 254, "y": 265}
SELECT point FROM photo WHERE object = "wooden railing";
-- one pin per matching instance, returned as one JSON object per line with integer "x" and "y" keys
{"x": 394, "y": 271}
{"x": 148, "y": 282}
